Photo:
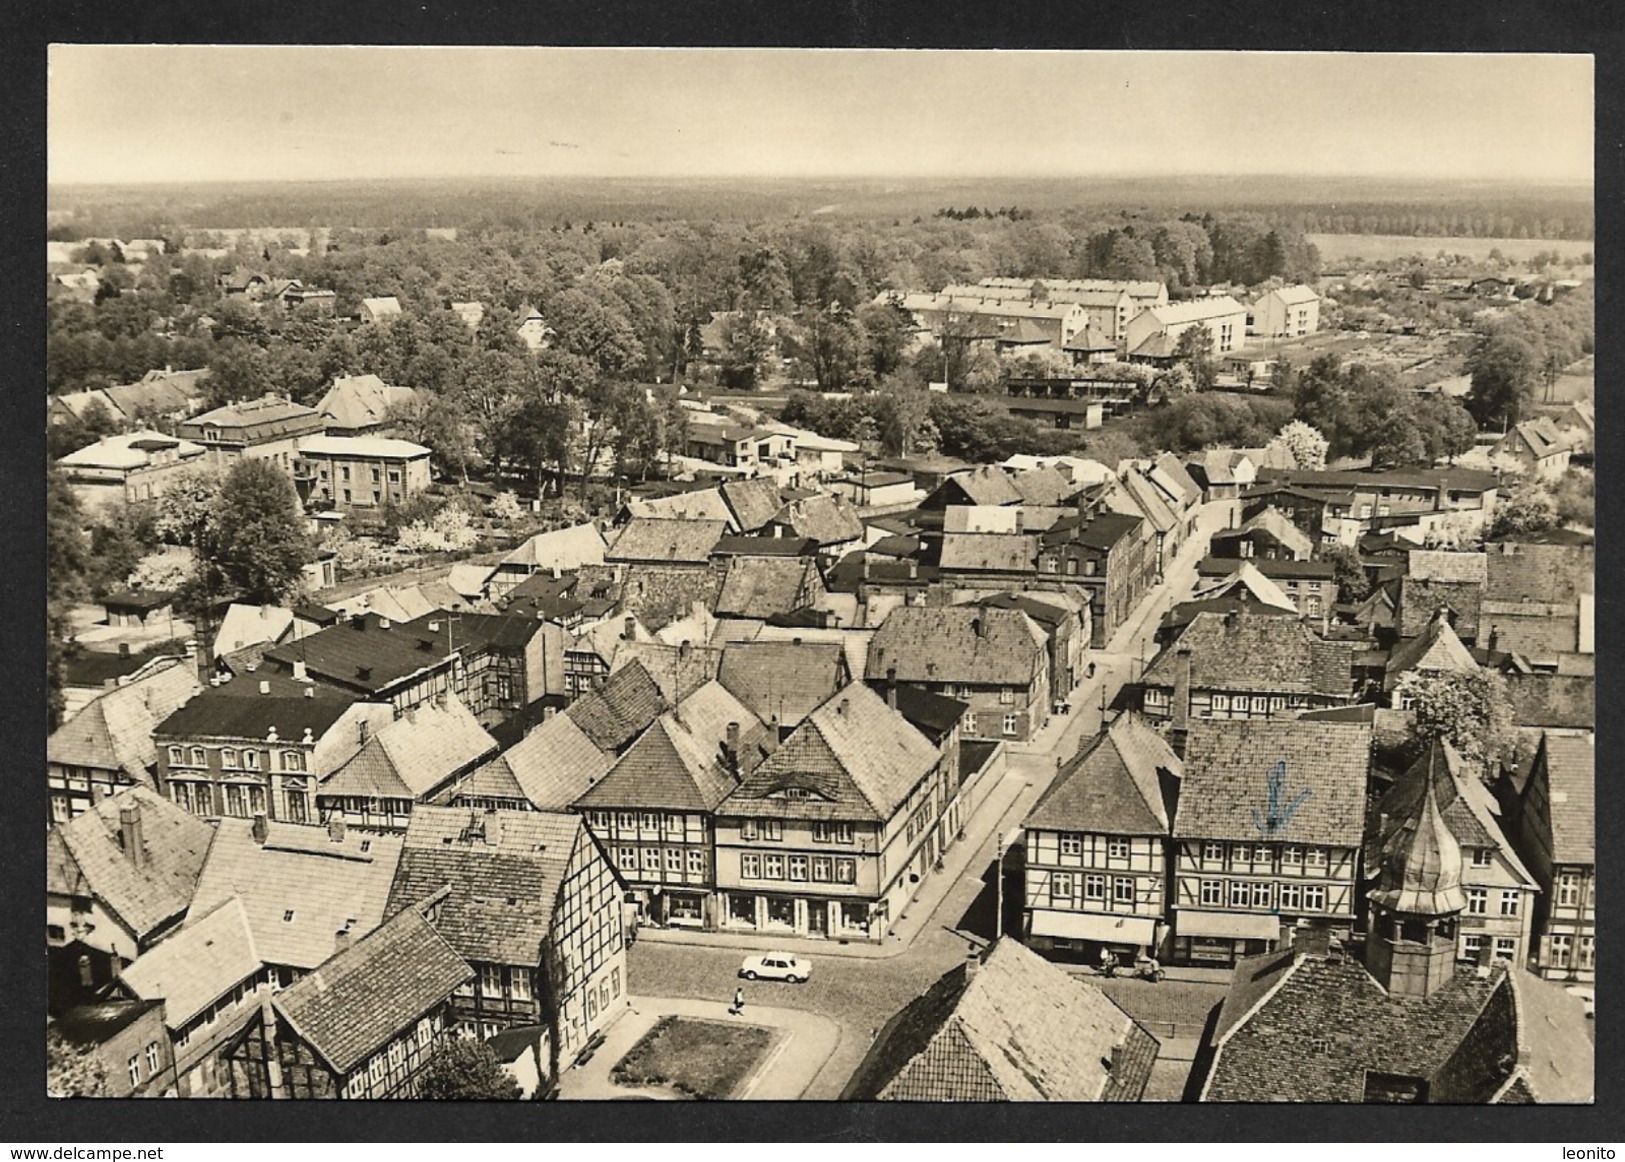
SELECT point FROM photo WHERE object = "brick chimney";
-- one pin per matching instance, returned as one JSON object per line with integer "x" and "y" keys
{"x": 341, "y": 941}
{"x": 1181, "y": 709}
{"x": 335, "y": 827}
{"x": 261, "y": 829}
{"x": 129, "y": 833}
{"x": 891, "y": 687}
{"x": 630, "y": 629}
{"x": 733, "y": 748}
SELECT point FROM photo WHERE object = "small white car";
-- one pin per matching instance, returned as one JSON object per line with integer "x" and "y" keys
{"x": 776, "y": 966}
{"x": 1587, "y": 996}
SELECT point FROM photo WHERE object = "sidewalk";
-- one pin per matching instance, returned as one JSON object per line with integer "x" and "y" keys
{"x": 804, "y": 1042}
{"x": 999, "y": 812}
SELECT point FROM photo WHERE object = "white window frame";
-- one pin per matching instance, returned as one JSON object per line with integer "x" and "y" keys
{"x": 1211, "y": 893}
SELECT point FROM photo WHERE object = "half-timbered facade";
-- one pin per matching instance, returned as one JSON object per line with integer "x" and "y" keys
{"x": 1268, "y": 834}
{"x": 1096, "y": 845}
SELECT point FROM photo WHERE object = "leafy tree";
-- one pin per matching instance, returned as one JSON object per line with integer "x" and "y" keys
{"x": 117, "y": 544}
{"x": 1348, "y": 574}
{"x": 1174, "y": 383}
{"x": 1304, "y": 444}
{"x": 747, "y": 352}
{"x": 80, "y": 431}
{"x": 1194, "y": 348}
{"x": 255, "y": 543}
{"x": 66, "y": 564}
{"x": 1527, "y": 508}
{"x": 829, "y": 345}
{"x": 1472, "y": 712}
{"x": 1576, "y": 498}
{"x": 904, "y": 410}
{"x": 1504, "y": 371}
{"x": 463, "y": 1069}
{"x": 72, "y": 1070}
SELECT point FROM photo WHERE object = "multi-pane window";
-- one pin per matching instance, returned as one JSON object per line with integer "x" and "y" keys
{"x": 135, "y": 1069}
{"x": 1071, "y": 843}
{"x": 1291, "y": 856}
{"x": 846, "y": 871}
{"x": 251, "y": 760}
{"x": 772, "y": 829}
{"x": 1587, "y": 952}
{"x": 1291, "y": 897}
{"x": 293, "y": 760}
{"x": 228, "y": 757}
{"x": 750, "y": 867}
{"x": 1568, "y": 889}
{"x": 1117, "y": 848}
{"x": 696, "y": 862}
{"x": 773, "y": 867}
{"x": 152, "y": 1058}
{"x": 626, "y": 858}
{"x": 1316, "y": 856}
{"x": 1123, "y": 889}
{"x": 674, "y": 859}
{"x": 519, "y": 983}
{"x": 1481, "y": 857}
{"x": 1238, "y": 893}
{"x": 1509, "y": 903}
{"x": 1471, "y": 942}
{"x": 1212, "y": 853}
{"x": 1011, "y": 722}
{"x": 177, "y": 755}
{"x": 1213, "y": 892}
{"x": 1060, "y": 887}
{"x": 649, "y": 821}
{"x": 491, "y": 980}
{"x": 798, "y": 867}
{"x": 651, "y": 859}
{"x": 1314, "y": 897}
{"x": 1477, "y": 901}
{"x": 1561, "y": 946}
{"x": 1506, "y": 947}
{"x": 1094, "y": 887}
{"x": 197, "y": 757}
{"x": 747, "y": 830}
{"x": 1261, "y": 893}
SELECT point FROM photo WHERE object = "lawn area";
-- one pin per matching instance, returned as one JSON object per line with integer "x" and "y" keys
{"x": 702, "y": 1059}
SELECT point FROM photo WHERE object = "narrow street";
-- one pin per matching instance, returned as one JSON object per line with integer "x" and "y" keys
{"x": 863, "y": 992}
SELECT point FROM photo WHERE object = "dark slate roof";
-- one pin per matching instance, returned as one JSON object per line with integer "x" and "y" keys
{"x": 1246, "y": 652}
{"x": 957, "y": 644}
{"x": 933, "y": 715}
{"x": 1226, "y": 793}
{"x": 1522, "y": 571}
{"x": 504, "y": 870}
{"x": 1112, "y": 786}
{"x": 225, "y": 713}
{"x": 97, "y": 1022}
{"x": 1327, "y": 1023}
{"x": 619, "y": 710}
{"x": 1442, "y": 769}
{"x": 86, "y": 857}
{"x": 1224, "y": 566}
{"x": 1558, "y": 700}
{"x": 782, "y": 682}
{"x": 352, "y": 1005}
{"x": 754, "y": 546}
{"x": 1101, "y": 531}
{"x": 1018, "y": 1029}
{"x": 346, "y": 651}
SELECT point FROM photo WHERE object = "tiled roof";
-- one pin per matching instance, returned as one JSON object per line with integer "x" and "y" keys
{"x": 224, "y": 713}
{"x": 1101, "y": 531}
{"x": 361, "y": 401}
{"x": 1279, "y": 567}
{"x": 829, "y": 520}
{"x": 250, "y": 625}
{"x": 1246, "y": 652}
{"x": 678, "y": 670}
{"x": 855, "y": 757}
{"x": 1558, "y": 700}
{"x": 255, "y": 412}
{"x": 1327, "y": 1025}
{"x": 1437, "y": 565}
{"x": 987, "y": 485}
{"x": 1571, "y": 775}
{"x": 114, "y": 730}
{"x": 1172, "y": 477}
{"x": 1557, "y": 1041}
{"x": 761, "y": 546}
{"x": 415, "y": 754}
{"x": 358, "y": 1001}
{"x": 958, "y": 644}
{"x": 561, "y": 549}
{"x": 760, "y": 587}
{"x": 1523, "y": 571}
{"x": 1196, "y": 310}
{"x": 665, "y": 541}
{"x": 299, "y": 887}
{"x": 551, "y": 767}
{"x": 1042, "y": 487}
{"x": 1149, "y": 500}
{"x": 855, "y": 642}
{"x": 1272, "y": 521}
{"x": 343, "y": 653}
{"x": 505, "y": 870}
{"x": 678, "y": 764}
{"x": 619, "y": 710}
{"x": 1420, "y": 599}
{"x": 753, "y": 502}
{"x": 196, "y": 966}
{"x": 1537, "y": 631}
{"x": 1111, "y": 786}
{"x": 85, "y": 857}
{"x": 989, "y": 552}
{"x": 1017, "y": 1029}
{"x": 1243, "y": 581}
{"x": 782, "y": 681}
{"x": 1230, "y": 788}
{"x": 1294, "y": 295}
{"x": 701, "y": 505}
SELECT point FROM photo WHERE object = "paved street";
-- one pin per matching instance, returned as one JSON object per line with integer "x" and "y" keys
{"x": 862, "y": 993}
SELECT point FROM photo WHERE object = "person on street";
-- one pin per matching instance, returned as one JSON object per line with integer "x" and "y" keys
{"x": 1108, "y": 962}
{"x": 739, "y": 1002}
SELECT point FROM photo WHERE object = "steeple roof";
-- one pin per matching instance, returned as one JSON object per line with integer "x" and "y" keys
{"x": 1421, "y": 863}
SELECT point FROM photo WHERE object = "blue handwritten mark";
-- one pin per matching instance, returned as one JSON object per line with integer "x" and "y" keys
{"x": 1278, "y": 814}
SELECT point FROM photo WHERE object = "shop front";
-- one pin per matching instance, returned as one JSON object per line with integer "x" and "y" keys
{"x": 1080, "y": 936}
{"x": 796, "y": 916}
{"x": 1219, "y": 939}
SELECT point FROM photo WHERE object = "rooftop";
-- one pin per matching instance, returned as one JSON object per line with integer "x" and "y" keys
{"x": 1113, "y": 786}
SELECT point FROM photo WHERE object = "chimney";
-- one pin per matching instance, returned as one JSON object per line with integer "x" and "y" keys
{"x": 1182, "y": 687}
{"x": 129, "y": 833}
{"x": 891, "y": 687}
{"x": 1484, "y": 958}
{"x": 434, "y": 627}
{"x": 1312, "y": 941}
{"x": 630, "y": 631}
{"x": 299, "y": 672}
{"x": 1232, "y": 618}
{"x": 335, "y": 827}
{"x": 261, "y": 829}
{"x": 383, "y": 623}
{"x": 310, "y": 691}
{"x": 124, "y": 649}
{"x": 265, "y": 685}
{"x": 977, "y": 628}
{"x": 913, "y": 569}
{"x": 733, "y": 747}
{"x": 973, "y": 963}
{"x": 842, "y": 706}
{"x": 341, "y": 941}
{"x": 1495, "y": 636}
{"x": 87, "y": 978}
{"x": 358, "y": 621}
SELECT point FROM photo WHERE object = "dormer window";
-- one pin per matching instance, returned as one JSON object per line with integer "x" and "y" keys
{"x": 795, "y": 793}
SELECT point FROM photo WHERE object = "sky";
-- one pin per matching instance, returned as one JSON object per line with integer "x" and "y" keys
{"x": 120, "y": 114}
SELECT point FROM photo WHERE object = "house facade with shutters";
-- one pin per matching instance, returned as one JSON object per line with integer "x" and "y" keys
{"x": 1268, "y": 835}
{"x": 830, "y": 836}
{"x": 1097, "y": 846}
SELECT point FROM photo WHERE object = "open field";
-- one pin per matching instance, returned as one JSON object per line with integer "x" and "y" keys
{"x": 1372, "y": 247}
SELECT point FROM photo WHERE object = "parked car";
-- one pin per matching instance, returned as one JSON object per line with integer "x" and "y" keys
{"x": 1588, "y": 997}
{"x": 776, "y": 966}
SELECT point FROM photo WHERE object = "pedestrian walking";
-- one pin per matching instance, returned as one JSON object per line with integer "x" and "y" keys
{"x": 739, "y": 1002}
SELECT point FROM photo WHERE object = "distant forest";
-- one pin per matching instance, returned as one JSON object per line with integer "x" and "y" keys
{"x": 1302, "y": 205}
